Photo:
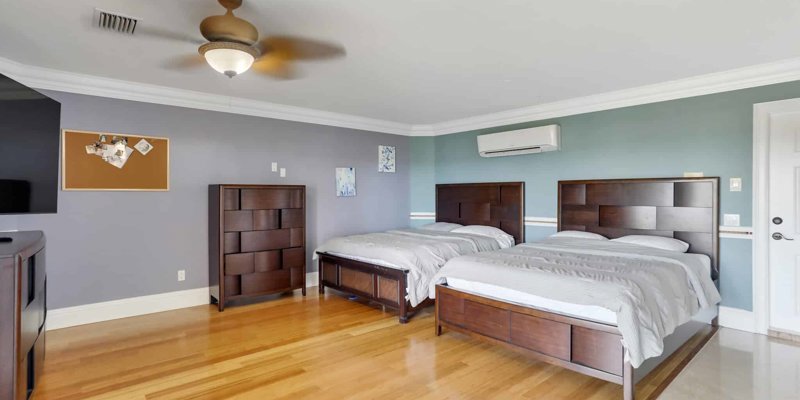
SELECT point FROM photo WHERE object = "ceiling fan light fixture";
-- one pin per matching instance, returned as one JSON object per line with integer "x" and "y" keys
{"x": 229, "y": 58}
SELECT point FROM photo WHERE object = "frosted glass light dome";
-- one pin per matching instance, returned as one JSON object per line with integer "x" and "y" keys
{"x": 230, "y": 62}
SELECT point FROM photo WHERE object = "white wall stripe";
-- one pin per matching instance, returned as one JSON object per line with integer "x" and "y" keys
{"x": 730, "y": 232}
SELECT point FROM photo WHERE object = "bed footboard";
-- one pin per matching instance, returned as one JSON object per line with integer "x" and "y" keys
{"x": 383, "y": 285}
{"x": 586, "y": 347}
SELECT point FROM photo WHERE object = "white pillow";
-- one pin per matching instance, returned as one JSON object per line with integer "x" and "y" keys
{"x": 658, "y": 242}
{"x": 579, "y": 235}
{"x": 503, "y": 238}
{"x": 441, "y": 226}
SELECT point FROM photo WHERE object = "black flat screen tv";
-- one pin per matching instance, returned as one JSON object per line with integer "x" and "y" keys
{"x": 30, "y": 129}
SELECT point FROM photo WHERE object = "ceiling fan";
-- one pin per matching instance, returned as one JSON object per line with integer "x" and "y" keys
{"x": 233, "y": 47}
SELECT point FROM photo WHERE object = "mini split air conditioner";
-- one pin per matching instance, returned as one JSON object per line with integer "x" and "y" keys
{"x": 522, "y": 141}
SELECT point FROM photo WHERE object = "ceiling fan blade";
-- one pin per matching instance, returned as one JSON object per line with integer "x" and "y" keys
{"x": 275, "y": 66}
{"x": 302, "y": 49}
{"x": 169, "y": 35}
{"x": 185, "y": 62}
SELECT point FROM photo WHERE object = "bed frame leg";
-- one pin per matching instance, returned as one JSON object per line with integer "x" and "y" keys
{"x": 319, "y": 278}
{"x": 401, "y": 300}
{"x": 437, "y": 325}
{"x": 628, "y": 387}
{"x": 404, "y": 312}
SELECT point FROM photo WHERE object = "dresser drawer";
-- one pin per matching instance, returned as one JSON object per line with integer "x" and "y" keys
{"x": 264, "y": 282}
{"x": 238, "y": 264}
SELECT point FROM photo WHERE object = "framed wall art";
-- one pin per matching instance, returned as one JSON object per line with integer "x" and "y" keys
{"x": 345, "y": 182}
{"x": 386, "y": 158}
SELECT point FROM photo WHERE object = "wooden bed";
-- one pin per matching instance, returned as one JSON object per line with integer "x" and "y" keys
{"x": 501, "y": 205}
{"x": 683, "y": 208}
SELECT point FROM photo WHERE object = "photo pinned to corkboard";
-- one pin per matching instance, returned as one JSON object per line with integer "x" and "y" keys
{"x": 113, "y": 161}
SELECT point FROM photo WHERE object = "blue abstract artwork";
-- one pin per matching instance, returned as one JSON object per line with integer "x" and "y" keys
{"x": 345, "y": 182}
{"x": 386, "y": 157}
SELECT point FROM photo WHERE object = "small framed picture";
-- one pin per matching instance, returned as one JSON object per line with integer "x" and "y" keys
{"x": 345, "y": 182}
{"x": 144, "y": 147}
{"x": 386, "y": 158}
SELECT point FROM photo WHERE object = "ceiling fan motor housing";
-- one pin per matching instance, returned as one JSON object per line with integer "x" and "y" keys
{"x": 228, "y": 28}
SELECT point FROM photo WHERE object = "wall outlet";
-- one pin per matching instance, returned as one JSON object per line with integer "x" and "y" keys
{"x": 730, "y": 220}
{"x": 274, "y": 167}
{"x": 181, "y": 275}
{"x": 283, "y": 172}
{"x": 693, "y": 175}
{"x": 736, "y": 184}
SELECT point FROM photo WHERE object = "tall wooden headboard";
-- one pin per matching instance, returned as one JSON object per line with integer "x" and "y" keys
{"x": 683, "y": 208}
{"x": 497, "y": 204}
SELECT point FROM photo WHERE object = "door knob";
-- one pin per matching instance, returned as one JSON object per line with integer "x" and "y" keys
{"x": 777, "y": 220}
{"x": 779, "y": 236}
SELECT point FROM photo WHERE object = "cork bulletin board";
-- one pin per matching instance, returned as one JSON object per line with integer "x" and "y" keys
{"x": 144, "y": 166}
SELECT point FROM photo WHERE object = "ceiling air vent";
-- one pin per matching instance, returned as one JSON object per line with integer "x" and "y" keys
{"x": 115, "y": 22}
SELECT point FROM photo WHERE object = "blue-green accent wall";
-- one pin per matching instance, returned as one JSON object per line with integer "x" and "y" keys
{"x": 423, "y": 169}
{"x": 710, "y": 134}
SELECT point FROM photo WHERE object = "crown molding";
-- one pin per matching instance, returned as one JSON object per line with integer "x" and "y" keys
{"x": 51, "y": 79}
{"x": 741, "y": 78}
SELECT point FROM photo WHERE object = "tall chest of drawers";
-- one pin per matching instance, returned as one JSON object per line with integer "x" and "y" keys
{"x": 256, "y": 240}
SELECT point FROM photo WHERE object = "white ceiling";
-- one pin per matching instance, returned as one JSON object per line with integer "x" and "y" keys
{"x": 423, "y": 61}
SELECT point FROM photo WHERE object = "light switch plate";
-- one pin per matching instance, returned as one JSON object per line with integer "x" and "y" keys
{"x": 274, "y": 167}
{"x": 693, "y": 175}
{"x": 730, "y": 220}
{"x": 736, "y": 184}
{"x": 283, "y": 172}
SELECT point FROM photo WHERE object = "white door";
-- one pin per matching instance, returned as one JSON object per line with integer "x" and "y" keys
{"x": 784, "y": 201}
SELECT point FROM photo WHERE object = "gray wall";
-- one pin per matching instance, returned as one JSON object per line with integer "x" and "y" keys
{"x": 112, "y": 245}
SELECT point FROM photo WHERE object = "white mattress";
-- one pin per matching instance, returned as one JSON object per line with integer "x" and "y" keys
{"x": 593, "y": 313}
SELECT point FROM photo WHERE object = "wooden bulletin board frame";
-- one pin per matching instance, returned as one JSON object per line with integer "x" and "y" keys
{"x": 87, "y": 172}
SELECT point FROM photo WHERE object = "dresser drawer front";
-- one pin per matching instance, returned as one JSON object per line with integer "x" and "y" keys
{"x": 265, "y": 282}
{"x": 238, "y": 264}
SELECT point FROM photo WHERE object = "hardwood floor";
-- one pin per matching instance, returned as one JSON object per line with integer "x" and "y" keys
{"x": 295, "y": 347}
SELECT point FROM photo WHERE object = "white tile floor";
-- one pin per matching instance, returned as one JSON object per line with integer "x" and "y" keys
{"x": 738, "y": 365}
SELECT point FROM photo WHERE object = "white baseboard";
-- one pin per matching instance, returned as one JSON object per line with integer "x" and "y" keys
{"x": 312, "y": 279}
{"x": 133, "y": 306}
{"x": 123, "y": 308}
{"x": 735, "y": 318}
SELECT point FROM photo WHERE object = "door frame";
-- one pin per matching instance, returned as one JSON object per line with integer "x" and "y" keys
{"x": 762, "y": 112}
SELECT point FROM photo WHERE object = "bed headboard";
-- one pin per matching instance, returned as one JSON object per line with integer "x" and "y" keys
{"x": 683, "y": 208}
{"x": 498, "y": 204}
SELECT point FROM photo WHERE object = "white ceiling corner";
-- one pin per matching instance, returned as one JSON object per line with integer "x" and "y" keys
{"x": 50, "y": 79}
{"x": 420, "y": 68}
{"x": 742, "y": 78}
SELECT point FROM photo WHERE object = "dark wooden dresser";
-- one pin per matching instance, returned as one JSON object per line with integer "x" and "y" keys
{"x": 256, "y": 240}
{"x": 23, "y": 310}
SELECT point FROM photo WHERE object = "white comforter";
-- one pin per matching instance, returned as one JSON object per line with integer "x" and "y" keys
{"x": 421, "y": 252}
{"x": 652, "y": 291}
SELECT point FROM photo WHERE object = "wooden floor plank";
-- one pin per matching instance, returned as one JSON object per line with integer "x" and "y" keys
{"x": 296, "y": 347}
